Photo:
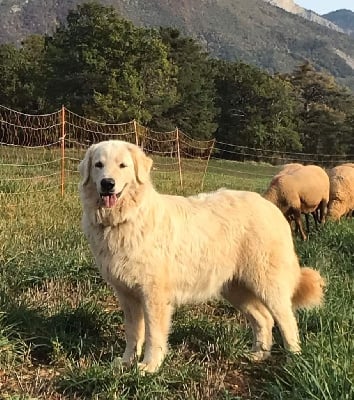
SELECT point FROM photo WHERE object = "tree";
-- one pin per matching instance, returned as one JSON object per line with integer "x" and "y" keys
{"x": 32, "y": 75}
{"x": 257, "y": 110}
{"x": 106, "y": 68}
{"x": 22, "y": 75}
{"x": 9, "y": 79}
{"x": 195, "y": 111}
{"x": 326, "y": 111}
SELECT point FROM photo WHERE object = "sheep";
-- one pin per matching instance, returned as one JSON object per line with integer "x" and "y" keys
{"x": 304, "y": 190}
{"x": 341, "y": 197}
{"x": 349, "y": 214}
{"x": 288, "y": 169}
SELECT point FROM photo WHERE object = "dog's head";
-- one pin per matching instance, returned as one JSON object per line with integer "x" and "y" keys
{"x": 112, "y": 167}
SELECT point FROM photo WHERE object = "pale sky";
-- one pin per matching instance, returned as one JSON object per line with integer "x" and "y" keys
{"x": 325, "y": 6}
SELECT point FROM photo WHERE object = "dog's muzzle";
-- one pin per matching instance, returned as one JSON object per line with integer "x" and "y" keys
{"x": 108, "y": 194}
{"x": 107, "y": 185}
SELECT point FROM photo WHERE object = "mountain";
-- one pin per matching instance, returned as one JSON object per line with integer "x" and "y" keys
{"x": 291, "y": 7}
{"x": 342, "y": 18}
{"x": 249, "y": 30}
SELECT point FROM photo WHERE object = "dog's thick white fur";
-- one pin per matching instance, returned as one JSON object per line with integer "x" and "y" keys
{"x": 158, "y": 251}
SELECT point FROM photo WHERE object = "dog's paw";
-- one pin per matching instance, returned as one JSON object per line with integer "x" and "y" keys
{"x": 120, "y": 364}
{"x": 259, "y": 355}
{"x": 147, "y": 368}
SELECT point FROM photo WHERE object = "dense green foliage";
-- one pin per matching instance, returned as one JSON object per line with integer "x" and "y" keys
{"x": 105, "y": 68}
{"x": 22, "y": 74}
{"x": 257, "y": 110}
{"x": 194, "y": 111}
{"x": 326, "y": 112}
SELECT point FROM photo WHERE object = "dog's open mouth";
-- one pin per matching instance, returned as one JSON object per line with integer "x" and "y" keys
{"x": 109, "y": 200}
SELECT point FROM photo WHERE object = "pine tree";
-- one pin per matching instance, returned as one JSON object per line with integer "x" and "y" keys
{"x": 325, "y": 113}
{"x": 257, "y": 110}
{"x": 194, "y": 112}
{"x": 104, "y": 67}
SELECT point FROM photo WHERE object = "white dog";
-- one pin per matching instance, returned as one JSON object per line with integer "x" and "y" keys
{"x": 158, "y": 251}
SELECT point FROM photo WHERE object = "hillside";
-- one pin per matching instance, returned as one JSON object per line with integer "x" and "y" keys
{"x": 249, "y": 30}
{"x": 342, "y": 18}
{"x": 291, "y": 7}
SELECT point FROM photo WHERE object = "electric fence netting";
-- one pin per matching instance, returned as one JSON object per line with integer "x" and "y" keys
{"x": 30, "y": 152}
{"x": 41, "y": 153}
{"x": 255, "y": 167}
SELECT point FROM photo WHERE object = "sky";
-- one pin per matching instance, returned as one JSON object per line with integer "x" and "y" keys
{"x": 325, "y": 6}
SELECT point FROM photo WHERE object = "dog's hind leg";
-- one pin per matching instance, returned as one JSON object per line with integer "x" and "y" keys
{"x": 256, "y": 313}
{"x": 280, "y": 306}
{"x": 134, "y": 326}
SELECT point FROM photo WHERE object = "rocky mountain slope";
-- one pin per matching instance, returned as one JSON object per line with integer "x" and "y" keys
{"x": 249, "y": 30}
{"x": 292, "y": 7}
{"x": 342, "y": 18}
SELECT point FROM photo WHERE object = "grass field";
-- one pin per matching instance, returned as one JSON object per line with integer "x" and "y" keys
{"x": 61, "y": 328}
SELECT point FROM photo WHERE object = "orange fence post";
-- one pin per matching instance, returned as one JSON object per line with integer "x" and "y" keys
{"x": 136, "y": 133}
{"x": 207, "y": 163}
{"x": 62, "y": 146}
{"x": 179, "y": 159}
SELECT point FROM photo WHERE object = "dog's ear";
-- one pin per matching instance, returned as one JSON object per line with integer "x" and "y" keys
{"x": 85, "y": 166}
{"x": 142, "y": 164}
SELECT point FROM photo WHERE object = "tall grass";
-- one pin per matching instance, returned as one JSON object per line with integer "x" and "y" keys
{"x": 61, "y": 328}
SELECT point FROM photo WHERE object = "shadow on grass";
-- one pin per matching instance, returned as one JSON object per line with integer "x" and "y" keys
{"x": 40, "y": 270}
{"x": 210, "y": 339}
{"x": 85, "y": 330}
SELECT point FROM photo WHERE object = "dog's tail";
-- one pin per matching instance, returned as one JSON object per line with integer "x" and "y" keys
{"x": 309, "y": 291}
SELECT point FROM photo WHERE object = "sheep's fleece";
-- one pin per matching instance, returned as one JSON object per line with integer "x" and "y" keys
{"x": 341, "y": 197}
{"x": 158, "y": 251}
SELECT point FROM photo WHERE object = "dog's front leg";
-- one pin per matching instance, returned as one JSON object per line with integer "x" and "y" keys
{"x": 157, "y": 313}
{"x": 134, "y": 326}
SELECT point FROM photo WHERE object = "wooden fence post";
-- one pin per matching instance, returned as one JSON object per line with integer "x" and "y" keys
{"x": 62, "y": 146}
{"x": 179, "y": 159}
{"x": 136, "y": 133}
{"x": 207, "y": 163}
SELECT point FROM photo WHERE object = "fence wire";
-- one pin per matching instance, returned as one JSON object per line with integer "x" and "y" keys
{"x": 41, "y": 153}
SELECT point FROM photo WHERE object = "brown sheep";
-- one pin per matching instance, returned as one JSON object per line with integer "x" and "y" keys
{"x": 304, "y": 190}
{"x": 290, "y": 168}
{"x": 341, "y": 198}
{"x": 349, "y": 214}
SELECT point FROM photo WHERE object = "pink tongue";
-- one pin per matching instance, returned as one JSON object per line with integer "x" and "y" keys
{"x": 109, "y": 201}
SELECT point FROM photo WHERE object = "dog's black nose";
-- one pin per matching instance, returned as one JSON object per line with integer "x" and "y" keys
{"x": 107, "y": 184}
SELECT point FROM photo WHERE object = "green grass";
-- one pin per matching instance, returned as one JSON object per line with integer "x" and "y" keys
{"x": 61, "y": 328}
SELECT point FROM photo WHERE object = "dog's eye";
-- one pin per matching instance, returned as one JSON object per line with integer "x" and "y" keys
{"x": 99, "y": 164}
{"x": 122, "y": 165}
